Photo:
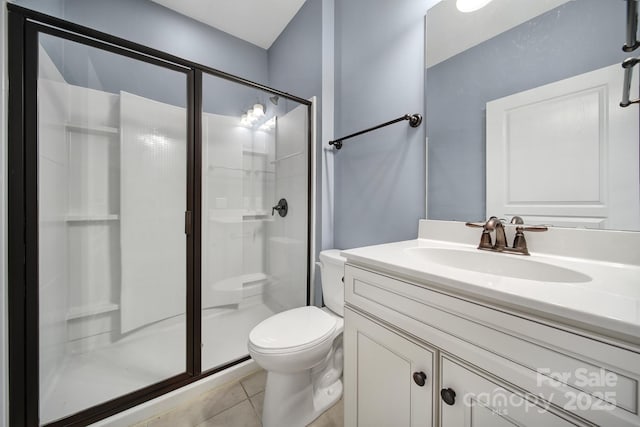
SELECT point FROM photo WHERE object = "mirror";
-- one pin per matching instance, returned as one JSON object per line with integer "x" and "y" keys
{"x": 523, "y": 117}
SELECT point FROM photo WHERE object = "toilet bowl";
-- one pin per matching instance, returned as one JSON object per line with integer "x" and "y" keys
{"x": 301, "y": 350}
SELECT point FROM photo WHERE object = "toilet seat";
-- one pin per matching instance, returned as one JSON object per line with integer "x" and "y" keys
{"x": 293, "y": 330}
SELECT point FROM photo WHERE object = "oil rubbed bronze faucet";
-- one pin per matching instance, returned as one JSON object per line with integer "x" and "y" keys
{"x": 495, "y": 224}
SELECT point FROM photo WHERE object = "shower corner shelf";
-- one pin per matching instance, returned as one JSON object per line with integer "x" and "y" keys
{"x": 92, "y": 310}
{"x": 288, "y": 156}
{"x": 257, "y": 216}
{"x": 92, "y": 218}
{"x": 212, "y": 168}
{"x": 88, "y": 128}
{"x": 254, "y": 152}
{"x": 248, "y": 216}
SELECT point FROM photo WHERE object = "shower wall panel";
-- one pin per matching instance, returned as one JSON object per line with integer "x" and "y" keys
{"x": 222, "y": 223}
{"x": 259, "y": 195}
{"x": 92, "y": 133}
{"x": 54, "y": 274}
{"x": 237, "y": 189}
{"x": 153, "y": 202}
{"x": 288, "y": 235}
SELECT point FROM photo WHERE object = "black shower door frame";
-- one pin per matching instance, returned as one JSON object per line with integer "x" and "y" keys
{"x": 24, "y": 25}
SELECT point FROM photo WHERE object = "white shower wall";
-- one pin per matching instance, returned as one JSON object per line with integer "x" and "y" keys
{"x": 79, "y": 196}
{"x": 250, "y": 252}
{"x": 153, "y": 175}
{"x": 93, "y": 251}
{"x": 238, "y": 181}
{"x": 248, "y": 171}
{"x": 92, "y": 217}
{"x": 77, "y": 259}
{"x": 254, "y": 262}
{"x": 54, "y": 275}
{"x": 288, "y": 236}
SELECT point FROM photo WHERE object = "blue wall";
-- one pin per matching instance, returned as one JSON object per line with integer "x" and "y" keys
{"x": 574, "y": 38}
{"x": 152, "y": 25}
{"x": 148, "y": 23}
{"x": 295, "y": 60}
{"x": 379, "y": 176}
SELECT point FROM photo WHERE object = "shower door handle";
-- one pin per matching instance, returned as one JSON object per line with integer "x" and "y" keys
{"x": 188, "y": 223}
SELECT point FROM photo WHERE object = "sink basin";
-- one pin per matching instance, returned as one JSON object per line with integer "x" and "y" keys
{"x": 498, "y": 264}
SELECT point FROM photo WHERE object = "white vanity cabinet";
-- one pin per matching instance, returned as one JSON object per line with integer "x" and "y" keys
{"x": 505, "y": 367}
{"x": 392, "y": 376}
{"x": 471, "y": 399}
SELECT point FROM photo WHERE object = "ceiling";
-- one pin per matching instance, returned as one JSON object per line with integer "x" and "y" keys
{"x": 450, "y": 31}
{"x": 257, "y": 21}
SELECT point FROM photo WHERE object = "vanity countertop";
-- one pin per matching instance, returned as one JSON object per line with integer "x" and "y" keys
{"x": 607, "y": 302}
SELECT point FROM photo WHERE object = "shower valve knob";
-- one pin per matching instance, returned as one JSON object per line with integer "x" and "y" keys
{"x": 282, "y": 207}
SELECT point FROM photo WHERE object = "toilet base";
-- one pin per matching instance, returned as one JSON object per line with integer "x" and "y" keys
{"x": 296, "y": 399}
{"x": 290, "y": 399}
{"x": 327, "y": 397}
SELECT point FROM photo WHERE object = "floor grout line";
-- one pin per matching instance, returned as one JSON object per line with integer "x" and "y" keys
{"x": 255, "y": 410}
{"x": 221, "y": 412}
{"x": 247, "y": 397}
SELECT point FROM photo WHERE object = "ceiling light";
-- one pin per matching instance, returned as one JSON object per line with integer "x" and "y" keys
{"x": 471, "y": 5}
{"x": 253, "y": 115}
{"x": 258, "y": 111}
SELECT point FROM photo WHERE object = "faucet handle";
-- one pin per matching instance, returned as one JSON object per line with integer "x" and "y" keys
{"x": 519, "y": 242}
{"x": 517, "y": 220}
{"x": 531, "y": 228}
{"x": 479, "y": 224}
{"x": 474, "y": 224}
{"x": 485, "y": 239}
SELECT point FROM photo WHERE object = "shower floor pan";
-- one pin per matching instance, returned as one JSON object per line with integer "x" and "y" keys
{"x": 145, "y": 357}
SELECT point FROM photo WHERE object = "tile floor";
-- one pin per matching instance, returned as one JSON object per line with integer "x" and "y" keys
{"x": 237, "y": 404}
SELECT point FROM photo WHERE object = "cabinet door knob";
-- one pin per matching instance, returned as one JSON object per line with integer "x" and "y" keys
{"x": 448, "y": 395}
{"x": 420, "y": 378}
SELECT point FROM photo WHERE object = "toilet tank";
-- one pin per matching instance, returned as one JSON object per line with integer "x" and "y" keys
{"x": 332, "y": 273}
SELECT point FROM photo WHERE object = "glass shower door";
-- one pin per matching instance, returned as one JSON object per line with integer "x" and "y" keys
{"x": 144, "y": 243}
{"x": 112, "y": 193}
{"x": 254, "y": 260}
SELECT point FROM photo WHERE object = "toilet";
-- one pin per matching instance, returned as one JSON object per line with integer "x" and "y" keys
{"x": 301, "y": 350}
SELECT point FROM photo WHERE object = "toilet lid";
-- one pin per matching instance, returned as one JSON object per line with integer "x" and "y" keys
{"x": 298, "y": 327}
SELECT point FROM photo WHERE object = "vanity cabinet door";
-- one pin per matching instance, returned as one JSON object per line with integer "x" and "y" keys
{"x": 469, "y": 399}
{"x": 388, "y": 378}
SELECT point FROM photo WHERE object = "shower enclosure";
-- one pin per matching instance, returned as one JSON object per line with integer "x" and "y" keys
{"x": 144, "y": 245}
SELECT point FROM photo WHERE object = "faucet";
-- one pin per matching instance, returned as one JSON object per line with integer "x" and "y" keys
{"x": 501, "y": 245}
{"x": 495, "y": 224}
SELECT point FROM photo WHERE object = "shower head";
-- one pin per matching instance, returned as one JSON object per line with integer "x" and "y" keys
{"x": 274, "y": 99}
